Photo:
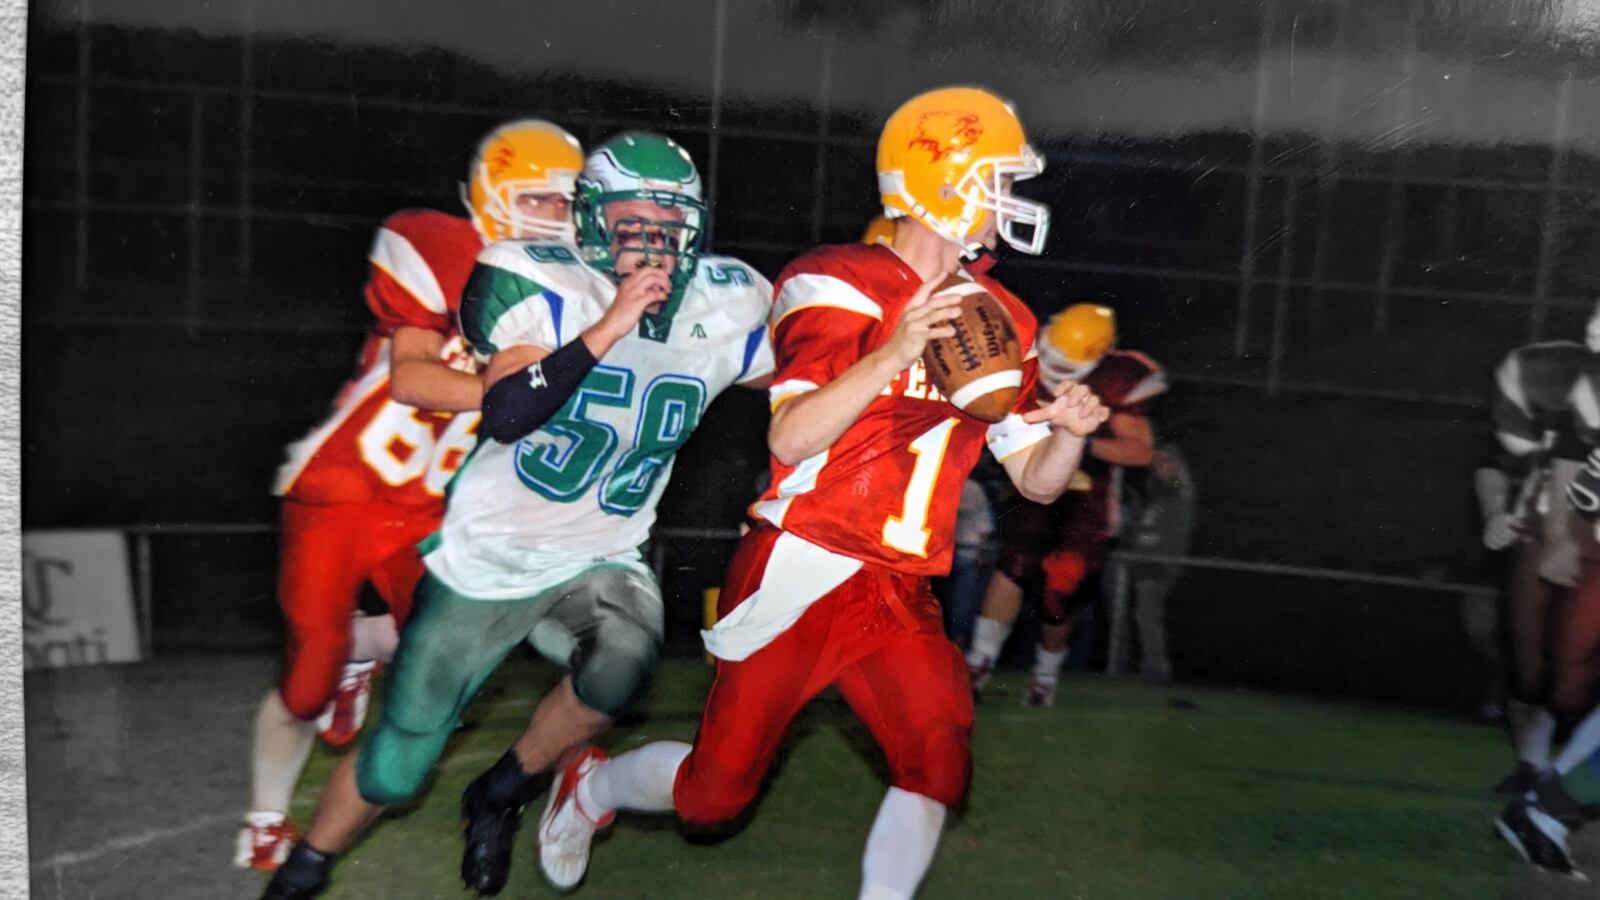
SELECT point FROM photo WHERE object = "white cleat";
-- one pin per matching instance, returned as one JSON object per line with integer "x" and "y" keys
{"x": 341, "y": 720}
{"x": 264, "y": 841}
{"x": 979, "y": 670}
{"x": 1538, "y": 836}
{"x": 566, "y": 830}
{"x": 1041, "y": 692}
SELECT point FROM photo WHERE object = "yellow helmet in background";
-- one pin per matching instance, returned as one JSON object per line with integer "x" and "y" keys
{"x": 948, "y": 157}
{"x": 1073, "y": 342}
{"x": 528, "y": 156}
{"x": 879, "y": 231}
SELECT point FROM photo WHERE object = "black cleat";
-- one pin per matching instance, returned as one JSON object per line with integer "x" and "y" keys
{"x": 492, "y": 809}
{"x": 303, "y": 874}
{"x": 1519, "y": 782}
{"x": 1539, "y": 837}
{"x": 491, "y": 829}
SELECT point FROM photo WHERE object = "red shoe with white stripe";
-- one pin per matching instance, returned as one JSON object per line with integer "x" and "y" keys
{"x": 342, "y": 720}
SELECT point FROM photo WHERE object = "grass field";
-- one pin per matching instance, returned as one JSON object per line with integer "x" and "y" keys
{"x": 1121, "y": 791}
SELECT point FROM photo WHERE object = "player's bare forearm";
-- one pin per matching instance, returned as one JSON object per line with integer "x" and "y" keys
{"x": 1132, "y": 442}
{"x": 512, "y": 359}
{"x": 808, "y": 424}
{"x": 1493, "y": 488}
{"x": 418, "y": 376}
{"x": 1041, "y": 472}
{"x": 435, "y": 386}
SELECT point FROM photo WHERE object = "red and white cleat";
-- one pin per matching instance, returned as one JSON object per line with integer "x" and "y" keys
{"x": 341, "y": 721}
{"x": 264, "y": 841}
{"x": 566, "y": 830}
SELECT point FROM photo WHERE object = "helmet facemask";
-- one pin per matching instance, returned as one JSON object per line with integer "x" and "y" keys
{"x": 986, "y": 188}
{"x": 602, "y": 242}
{"x": 500, "y": 205}
{"x": 1054, "y": 370}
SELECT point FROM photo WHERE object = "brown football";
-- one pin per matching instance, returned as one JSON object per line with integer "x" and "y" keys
{"x": 979, "y": 368}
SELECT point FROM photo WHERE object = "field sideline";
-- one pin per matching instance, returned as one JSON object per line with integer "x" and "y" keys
{"x": 1121, "y": 791}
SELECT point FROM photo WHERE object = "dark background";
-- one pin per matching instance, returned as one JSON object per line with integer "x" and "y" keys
{"x": 1327, "y": 219}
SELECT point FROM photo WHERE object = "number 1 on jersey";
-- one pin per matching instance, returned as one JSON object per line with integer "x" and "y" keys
{"x": 908, "y": 532}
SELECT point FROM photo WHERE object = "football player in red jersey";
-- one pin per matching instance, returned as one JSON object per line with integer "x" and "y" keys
{"x": 366, "y": 485}
{"x": 1066, "y": 543}
{"x": 831, "y": 587}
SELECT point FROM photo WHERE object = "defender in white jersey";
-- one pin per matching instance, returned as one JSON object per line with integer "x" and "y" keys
{"x": 601, "y": 358}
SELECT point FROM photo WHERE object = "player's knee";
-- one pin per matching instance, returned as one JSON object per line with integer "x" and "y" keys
{"x": 943, "y": 769}
{"x": 707, "y": 798}
{"x": 1064, "y": 572}
{"x": 394, "y": 763}
{"x": 311, "y": 677}
{"x": 610, "y": 668}
{"x": 1572, "y": 693}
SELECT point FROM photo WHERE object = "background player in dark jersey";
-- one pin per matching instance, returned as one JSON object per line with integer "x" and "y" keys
{"x": 1538, "y": 821}
{"x": 1535, "y": 425}
{"x": 1061, "y": 545}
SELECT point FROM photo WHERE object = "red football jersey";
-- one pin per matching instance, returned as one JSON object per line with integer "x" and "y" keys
{"x": 887, "y": 490}
{"x": 373, "y": 449}
{"x": 1126, "y": 381}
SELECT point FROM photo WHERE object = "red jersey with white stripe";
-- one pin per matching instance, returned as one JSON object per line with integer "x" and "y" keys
{"x": 373, "y": 449}
{"x": 887, "y": 490}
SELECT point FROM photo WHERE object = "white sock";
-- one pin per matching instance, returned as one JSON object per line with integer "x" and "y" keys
{"x": 282, "y": 743}
{"x": 988, "y": 636}
{"x": 900, "y": 846}
{"x": 373, "y": 637}
{"x": 1533, "y": 728}
{"x": 1047, "y": 665}
{"x": 640, "y": 780}
{"x": 1585, "y": 738}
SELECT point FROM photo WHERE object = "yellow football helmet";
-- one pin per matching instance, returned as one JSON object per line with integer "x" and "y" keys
{"x": 528, "y": 156}
{"x": 879, "y": 231}
{"x": 948, "y": 157}
{"x": 1074, "y": 341}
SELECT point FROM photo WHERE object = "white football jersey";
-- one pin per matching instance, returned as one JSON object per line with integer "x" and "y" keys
{"x": 583, "y": 488}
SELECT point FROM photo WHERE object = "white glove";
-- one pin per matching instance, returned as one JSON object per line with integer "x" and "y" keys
{"x": 1499, "y": 532}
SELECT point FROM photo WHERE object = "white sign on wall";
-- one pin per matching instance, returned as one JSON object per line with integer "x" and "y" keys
{"x": 77, "y": 599}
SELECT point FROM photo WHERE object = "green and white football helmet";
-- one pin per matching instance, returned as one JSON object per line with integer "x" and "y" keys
{"x": 639, "y": 165}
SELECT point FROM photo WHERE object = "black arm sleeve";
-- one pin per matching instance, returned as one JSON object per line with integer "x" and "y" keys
{"x": 516, "y": 405}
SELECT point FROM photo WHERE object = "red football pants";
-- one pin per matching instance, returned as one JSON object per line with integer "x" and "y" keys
{"x": 1555, "y": 633}
{"x": 1061, "y": 546}
{"x": 879, "y": 637}
{"x": 328, "y": 553}
{"x": 1574, "y": 644}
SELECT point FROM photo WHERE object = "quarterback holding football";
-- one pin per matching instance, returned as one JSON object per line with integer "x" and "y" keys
{"x": 868, "y": 458}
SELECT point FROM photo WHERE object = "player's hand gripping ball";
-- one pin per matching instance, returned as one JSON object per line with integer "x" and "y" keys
{"x": 979, "y": 368}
